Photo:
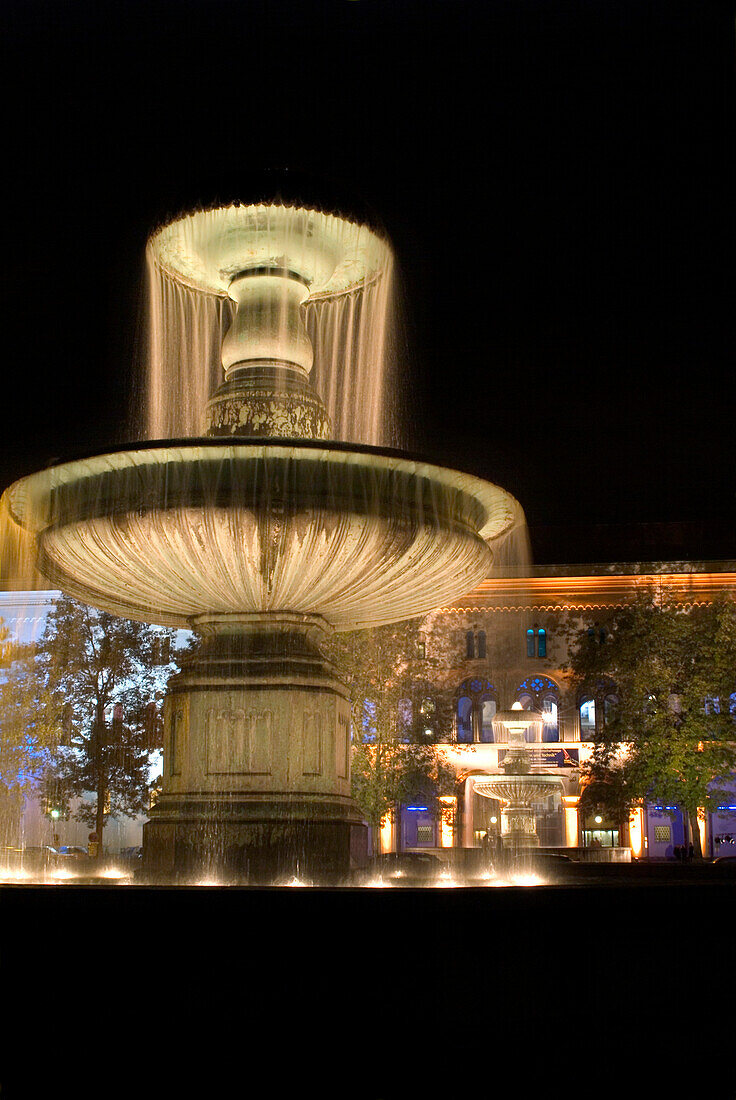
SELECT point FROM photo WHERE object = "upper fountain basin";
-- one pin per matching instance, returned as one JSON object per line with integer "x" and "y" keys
{"x": 167, "y": 533}
{"x": 208, "y": 249}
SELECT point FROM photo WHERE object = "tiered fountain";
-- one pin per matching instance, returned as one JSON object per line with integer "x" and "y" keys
{"x": 518, "y": 788}
{"x": 262, "y": 537}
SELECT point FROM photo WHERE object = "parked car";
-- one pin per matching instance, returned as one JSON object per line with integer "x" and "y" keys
{"x": 73, "y": 851}
{"x": 132, "y": 855}
{"x": 39, "y": 857}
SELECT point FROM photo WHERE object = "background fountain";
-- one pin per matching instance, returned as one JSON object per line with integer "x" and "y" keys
{"x": 518, "y": 788}
{"x": 262, "y": 537}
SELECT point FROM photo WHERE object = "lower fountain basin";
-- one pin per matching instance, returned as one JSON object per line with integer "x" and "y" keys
{"x": 519, "y": 790}
{"x": 169, "y": 532}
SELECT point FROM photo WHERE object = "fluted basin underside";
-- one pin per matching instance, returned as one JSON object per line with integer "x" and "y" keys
{"x": 168, "y": 533}
{"x": 518, "y": 790}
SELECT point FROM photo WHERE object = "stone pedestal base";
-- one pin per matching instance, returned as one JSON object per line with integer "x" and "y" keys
{"x": 262, "y": 853}
{"x": 256, "y": 784}
{"x": 519, "y": 828}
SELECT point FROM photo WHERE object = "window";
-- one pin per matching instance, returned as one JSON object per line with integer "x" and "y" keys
{"x": 475, "y": 645}
{"x": 464, "y": 719}
{"x": 587, "y": 719}
{"x": 477, "y": 703}
{"x": 542, "y": 694}
{"x": 610, "y": 702}
{"x": 536, "y": 642}
{"x": 488, "y": 708}
{"x": 550, "y": 727}
{"x": 427, "y": 715}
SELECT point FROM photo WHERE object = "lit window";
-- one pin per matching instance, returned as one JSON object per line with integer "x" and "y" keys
{"x": 587, "y": 719}
{"x": 542, "y": 642}
{"x": 550, "y": 728}
{"x": 488, "y": 708}
{"x": 530, "y": 643}
{"x": 465, "y": 719}
{"x": 476, "y": 705}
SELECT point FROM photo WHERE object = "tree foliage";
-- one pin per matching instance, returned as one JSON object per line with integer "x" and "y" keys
{"x": 671, "y": 736}
{"x": 397, "y": 717}
{"x": 101, "y": 685}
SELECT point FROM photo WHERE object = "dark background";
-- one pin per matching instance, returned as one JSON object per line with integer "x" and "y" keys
{"x": 557, "y": 179}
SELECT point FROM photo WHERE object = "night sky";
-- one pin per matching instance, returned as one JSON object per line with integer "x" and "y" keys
{"x": 557, "y": 179}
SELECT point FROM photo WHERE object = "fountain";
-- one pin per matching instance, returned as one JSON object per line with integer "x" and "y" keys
{"x": 263, "y": 536}
{"x": 518, "y": 788}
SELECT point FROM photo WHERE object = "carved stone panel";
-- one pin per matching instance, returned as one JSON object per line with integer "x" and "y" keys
{"x": 238, "y": 741}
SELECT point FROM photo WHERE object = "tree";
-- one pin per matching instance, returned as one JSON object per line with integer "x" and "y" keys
{"x": 397, "y": 716}
{"x": 102, "y": 677}
{"x": 671, "y": 735}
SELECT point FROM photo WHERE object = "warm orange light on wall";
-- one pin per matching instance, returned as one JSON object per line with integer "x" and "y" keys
{"x": 447, "y": 820}
{"x": 570, "y": 805}
{"x": 636, "y": 831}
{"x": 701, "y": 828}
{"x": 387, "y": 829}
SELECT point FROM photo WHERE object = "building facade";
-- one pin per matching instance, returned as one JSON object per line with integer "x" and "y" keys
{"x": 511, "y": 639}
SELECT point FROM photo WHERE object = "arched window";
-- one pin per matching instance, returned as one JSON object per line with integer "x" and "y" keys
{"x": 475, "y": 645}
{"x": 477, "y": 703}
{"x": 488, "y": 708}
{"x": 550, "y": 727}
{"x": 587, "y": 719}
{"x": 536, "y": 642}
{"x": 427, "y": 717}
{"x": 465, "y": 719}
{"x": 542, "y": 694}
{"x": 610, "y": 702}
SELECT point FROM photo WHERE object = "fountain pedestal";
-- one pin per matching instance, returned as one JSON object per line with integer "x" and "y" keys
{"x": 257, "y": 753}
